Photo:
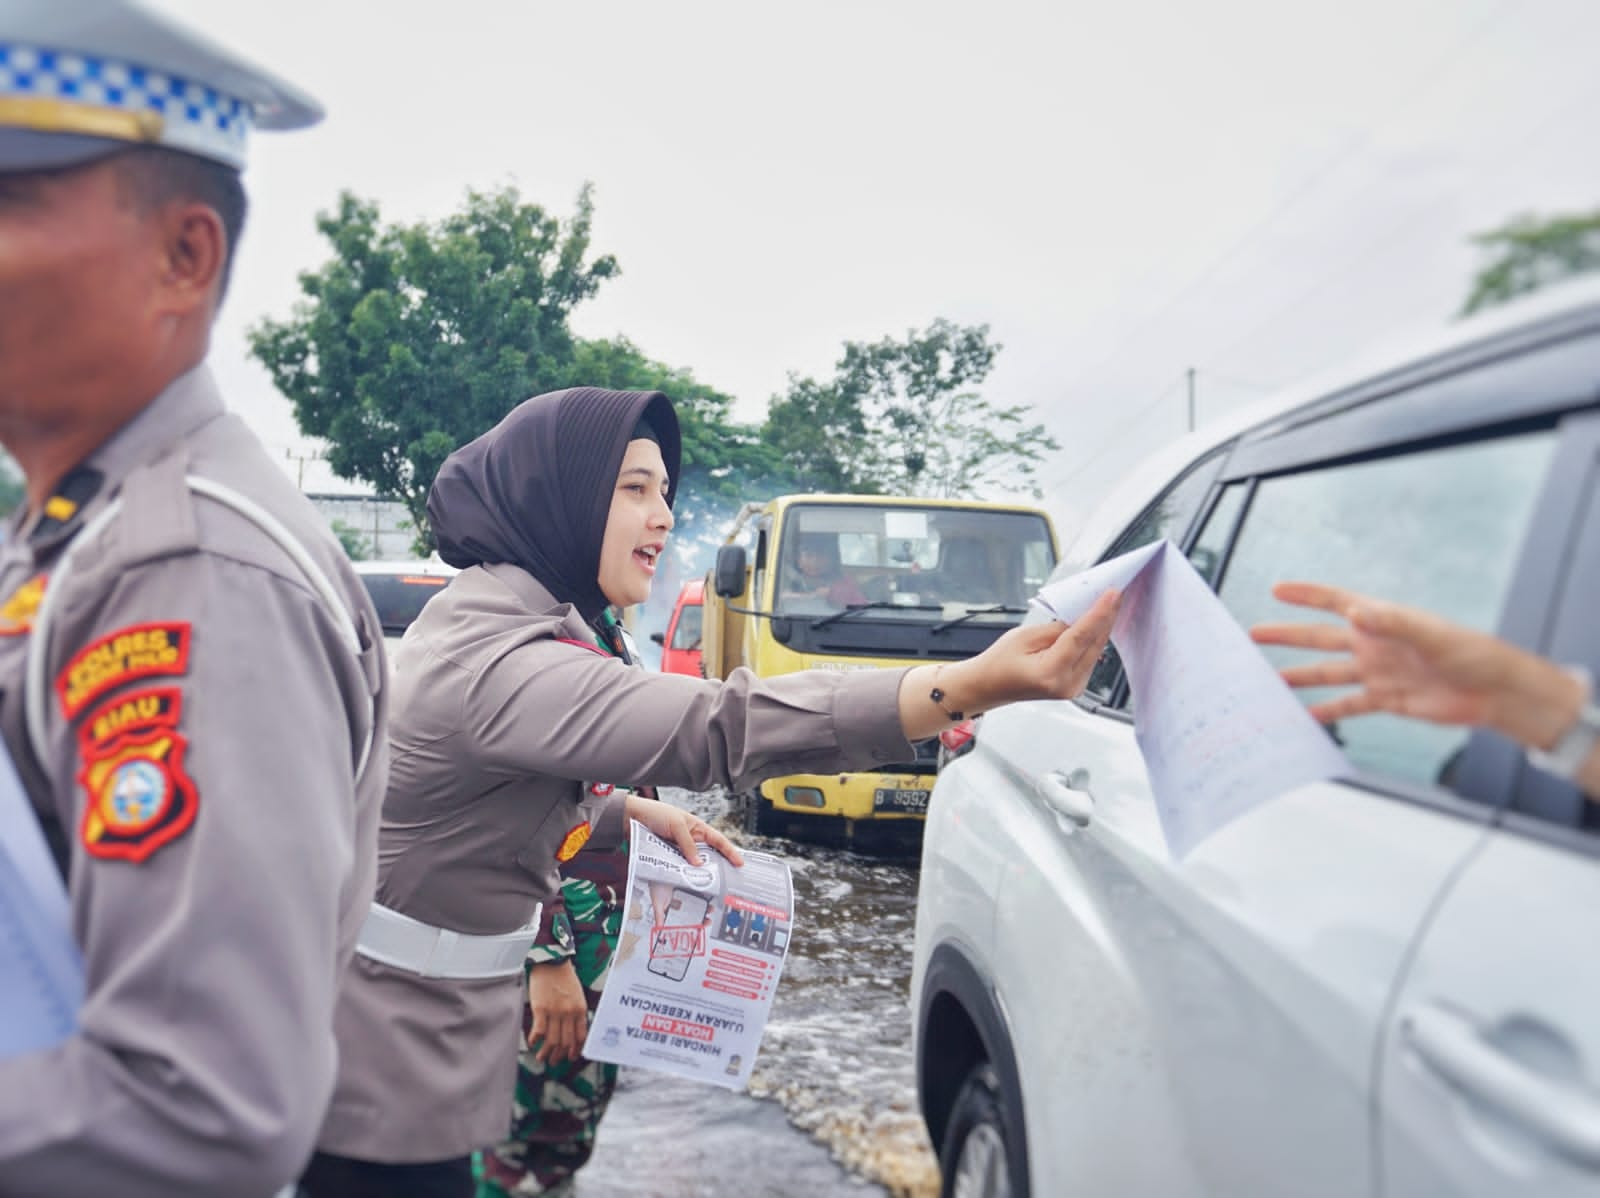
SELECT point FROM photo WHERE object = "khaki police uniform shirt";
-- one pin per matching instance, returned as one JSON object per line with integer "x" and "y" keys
{"x": 204, "y": 720}
{"x": 510, "y": 728}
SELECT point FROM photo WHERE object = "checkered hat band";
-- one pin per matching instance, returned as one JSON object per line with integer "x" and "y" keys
{"x": 196, "y": 118}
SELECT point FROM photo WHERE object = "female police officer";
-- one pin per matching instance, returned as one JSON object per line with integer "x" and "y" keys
{"x": 510, "y": 730}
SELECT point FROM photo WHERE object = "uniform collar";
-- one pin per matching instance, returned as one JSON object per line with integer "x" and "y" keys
{"x": 187, "y": 403}
{"x": 538, "y": 599}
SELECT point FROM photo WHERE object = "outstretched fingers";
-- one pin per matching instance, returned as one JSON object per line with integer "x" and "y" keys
{"x": 1339, "y": 671}
{"x": 1331, "y": 638}
{"x": 1318, "y": 595}
{"x": 1344, "y": 707}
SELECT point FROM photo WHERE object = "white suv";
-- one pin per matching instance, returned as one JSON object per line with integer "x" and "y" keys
{"x": 1383, "y": 986}
{"x": 400, "y": 589}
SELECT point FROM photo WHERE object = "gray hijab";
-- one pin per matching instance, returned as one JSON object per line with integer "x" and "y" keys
{"x": 535, "y": 490}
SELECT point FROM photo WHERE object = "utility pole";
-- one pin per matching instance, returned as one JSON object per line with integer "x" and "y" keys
{"x": 1191, "y": 398}
{"x": 300, "y": 460}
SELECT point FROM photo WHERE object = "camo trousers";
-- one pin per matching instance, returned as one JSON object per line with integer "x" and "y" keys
{"x": 558, "y": 1106}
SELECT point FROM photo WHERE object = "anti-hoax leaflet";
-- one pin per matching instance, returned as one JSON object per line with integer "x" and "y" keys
{"x": 697, "y": 963}
{"x": 1220, "y": 732}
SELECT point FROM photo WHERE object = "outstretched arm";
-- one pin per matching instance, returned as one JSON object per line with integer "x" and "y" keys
{"x": 1410, "y": 662}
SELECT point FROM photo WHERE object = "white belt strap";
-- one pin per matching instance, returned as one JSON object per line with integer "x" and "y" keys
{"x": 398, "y": 940}
{"x": 35, "y": 691}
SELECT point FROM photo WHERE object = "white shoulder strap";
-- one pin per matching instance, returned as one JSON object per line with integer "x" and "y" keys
{"x": 35, "y": 689}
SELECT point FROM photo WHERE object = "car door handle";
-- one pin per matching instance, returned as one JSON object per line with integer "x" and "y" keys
{"x": 1563, "y": 1117}
{"x": 1068, "y": 795}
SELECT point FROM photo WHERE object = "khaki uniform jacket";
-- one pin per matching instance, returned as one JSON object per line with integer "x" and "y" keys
{"x": 200, "y": 771}
{"x": 509, "y": 728}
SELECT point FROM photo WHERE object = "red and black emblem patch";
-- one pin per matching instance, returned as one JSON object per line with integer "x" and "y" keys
{"x": 137, "y": 795}
{"x": 139, "y": 651}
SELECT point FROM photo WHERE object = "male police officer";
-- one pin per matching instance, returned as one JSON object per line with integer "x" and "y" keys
{"x": 191, "y": 677}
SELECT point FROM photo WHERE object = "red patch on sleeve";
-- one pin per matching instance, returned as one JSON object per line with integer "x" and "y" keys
{"x": 136, "y": 711}
{"x": 573, "y": 841}
{"x": 138, "y": 796}
{"x": 138, "y": 651}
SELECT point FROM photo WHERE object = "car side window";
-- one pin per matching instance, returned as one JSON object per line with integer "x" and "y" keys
{"x": 1205, "y": 555}
{"x": 1169, "y": 516}
{"x": 1439, "y": 528}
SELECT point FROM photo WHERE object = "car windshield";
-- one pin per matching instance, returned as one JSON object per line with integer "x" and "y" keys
{"x": 399, "y": 597}
{"x": 905, "y": 562}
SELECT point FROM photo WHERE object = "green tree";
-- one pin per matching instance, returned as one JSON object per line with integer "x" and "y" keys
{"x": 356, "y": 545}
{"x": 904, "y": 416}
{"x": 413, "y": 339}
{"x": 1529, "y": 252}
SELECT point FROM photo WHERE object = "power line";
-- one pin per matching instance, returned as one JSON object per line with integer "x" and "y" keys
{"x": 1233, "y": 381}
{"x": 1526, "y": 140}
{"x": 1427, "y": 80}
{"x": 1497, "y": 158}
{"x": 1121, "y": 430}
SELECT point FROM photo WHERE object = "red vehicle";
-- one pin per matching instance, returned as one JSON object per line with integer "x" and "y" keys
{"x": 680, "y": 645}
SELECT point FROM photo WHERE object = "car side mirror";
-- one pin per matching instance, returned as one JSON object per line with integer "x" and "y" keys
{"x": 659, "y": 638}
{"x": 729, "y": 575}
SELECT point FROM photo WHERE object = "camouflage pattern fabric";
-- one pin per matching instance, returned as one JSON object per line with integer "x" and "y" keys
{"x": 558, "y": 1107}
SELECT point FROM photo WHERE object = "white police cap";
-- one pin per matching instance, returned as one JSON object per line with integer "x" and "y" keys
{"x": 82, "y": 78}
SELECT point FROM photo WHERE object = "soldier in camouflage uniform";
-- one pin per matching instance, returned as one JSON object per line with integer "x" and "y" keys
{"x": 559, "y": 1104}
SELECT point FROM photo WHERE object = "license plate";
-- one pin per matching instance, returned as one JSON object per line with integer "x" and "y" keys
{"x": 888, "y": 799}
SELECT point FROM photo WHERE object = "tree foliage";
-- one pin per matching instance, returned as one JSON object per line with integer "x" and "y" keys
{"x": 413, "y": 339}
{"x": 1530, "y": 252}
{"x": 905, "y": 416}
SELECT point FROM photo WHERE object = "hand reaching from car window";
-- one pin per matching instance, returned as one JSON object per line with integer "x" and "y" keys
{"x": 1410, "y": 662}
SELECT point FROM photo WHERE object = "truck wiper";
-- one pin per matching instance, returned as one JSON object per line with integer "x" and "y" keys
{"x": 997, "y": 610}
{"x": 854, "y": 608}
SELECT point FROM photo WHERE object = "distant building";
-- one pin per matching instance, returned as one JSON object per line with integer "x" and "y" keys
{"x": 383, "y": 525}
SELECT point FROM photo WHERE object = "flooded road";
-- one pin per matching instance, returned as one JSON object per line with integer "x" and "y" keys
{"x": 832, "y": 1105}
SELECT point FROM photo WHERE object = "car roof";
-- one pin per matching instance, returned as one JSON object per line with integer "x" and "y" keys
{"x": 1552, "y": 310}
{"x": 694, "y": 591}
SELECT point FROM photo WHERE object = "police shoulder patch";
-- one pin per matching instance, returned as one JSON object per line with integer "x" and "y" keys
{"x": 138, "y": 796}
{"x": 137, "y": 651}
{"x": 574, "y": 840}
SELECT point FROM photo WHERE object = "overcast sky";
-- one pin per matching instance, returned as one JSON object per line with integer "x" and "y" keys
{"x": 1121, "y": 190}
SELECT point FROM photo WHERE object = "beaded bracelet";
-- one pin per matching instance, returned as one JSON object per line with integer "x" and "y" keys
{"x": 938, "y": 697}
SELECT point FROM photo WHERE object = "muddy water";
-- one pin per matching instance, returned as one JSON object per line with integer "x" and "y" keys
{"x": 832, "y": 1105}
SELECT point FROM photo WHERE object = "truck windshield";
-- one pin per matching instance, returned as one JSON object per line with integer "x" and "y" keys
{"x": 901, "y": 562}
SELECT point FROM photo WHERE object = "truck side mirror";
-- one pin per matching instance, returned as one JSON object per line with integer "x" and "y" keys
{"x": 659, "y": 638}
{"x": 729, "y": 576}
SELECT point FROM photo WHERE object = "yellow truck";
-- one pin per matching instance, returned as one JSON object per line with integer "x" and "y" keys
{"x": 853, "y": 582}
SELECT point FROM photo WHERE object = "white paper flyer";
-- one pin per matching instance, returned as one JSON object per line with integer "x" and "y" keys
{"x": 1220, "y": 731}
{"x": 698, "y": 961}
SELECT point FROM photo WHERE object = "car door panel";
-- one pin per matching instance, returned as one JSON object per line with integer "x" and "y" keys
{"x": 1490, "y": 1076}
{"x": 1491, "y": 1073}
{"x": 1245, "y": 1004}
{"x": 1100, "y": 1117}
